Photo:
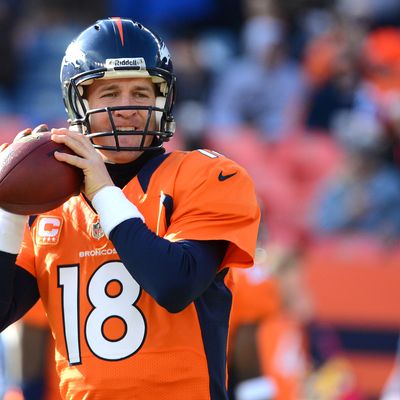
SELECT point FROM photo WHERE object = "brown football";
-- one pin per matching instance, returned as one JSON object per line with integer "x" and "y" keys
{"x": 32, "y": 181}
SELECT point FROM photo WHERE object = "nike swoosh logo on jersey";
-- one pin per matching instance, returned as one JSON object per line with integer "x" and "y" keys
{"x": 222, "y": 177}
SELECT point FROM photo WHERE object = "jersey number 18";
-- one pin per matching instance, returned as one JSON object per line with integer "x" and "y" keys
{"x": 104, "y": 307}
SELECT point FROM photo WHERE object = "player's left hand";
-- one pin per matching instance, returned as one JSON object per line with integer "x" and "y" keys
{"x": 26, "y": 132}
{"x": 86, "y": 158}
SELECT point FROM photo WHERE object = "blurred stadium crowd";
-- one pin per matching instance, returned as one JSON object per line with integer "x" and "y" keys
{"x": 306, "y": 95}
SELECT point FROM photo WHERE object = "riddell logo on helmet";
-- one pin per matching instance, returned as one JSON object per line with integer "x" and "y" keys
{"x": 126, "y": 62}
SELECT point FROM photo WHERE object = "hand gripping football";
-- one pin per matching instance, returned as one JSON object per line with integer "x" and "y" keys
{"x": 32, "y": 181}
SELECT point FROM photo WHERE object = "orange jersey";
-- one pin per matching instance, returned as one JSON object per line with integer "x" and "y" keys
{"x": 36, "y": 316}
{"x": 112, "y": 339}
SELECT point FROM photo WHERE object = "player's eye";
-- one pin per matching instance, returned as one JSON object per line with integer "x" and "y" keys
{"x": 109, "y": 94}
{"x": 142, "y": 95}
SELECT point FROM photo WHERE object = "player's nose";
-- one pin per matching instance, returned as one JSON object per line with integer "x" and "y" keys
{"x": 125, "y": 112}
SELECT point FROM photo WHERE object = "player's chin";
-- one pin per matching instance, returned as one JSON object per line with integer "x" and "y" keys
{"x": 120, "y": 157}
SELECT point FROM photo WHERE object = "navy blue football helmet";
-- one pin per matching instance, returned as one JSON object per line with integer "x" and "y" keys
{"x": 118, "y": 48}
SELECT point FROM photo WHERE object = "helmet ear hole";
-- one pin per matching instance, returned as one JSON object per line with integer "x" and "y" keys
{"x": 79, "y": 107}
{"x": 160, "y": 103}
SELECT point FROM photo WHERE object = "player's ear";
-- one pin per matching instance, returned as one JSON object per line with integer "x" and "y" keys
{"x": 76, "y": 128}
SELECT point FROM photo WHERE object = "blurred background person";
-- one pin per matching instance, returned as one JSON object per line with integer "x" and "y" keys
{"x": 39, "y": 380}
{"x": 262, "y": 85}
{"x": 364, "y": 193}
{"x": 269, "y": 358}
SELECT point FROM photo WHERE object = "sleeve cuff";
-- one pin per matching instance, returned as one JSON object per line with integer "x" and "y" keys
{"x": 113, "y": 208}
{"x": 12, "y": 231}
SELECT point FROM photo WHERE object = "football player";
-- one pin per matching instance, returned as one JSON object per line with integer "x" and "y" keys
{"x": 134, "y": 273}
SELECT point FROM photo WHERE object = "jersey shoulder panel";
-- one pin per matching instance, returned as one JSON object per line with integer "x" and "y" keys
{"x": 214, "y": 199}
{"x": 200, "y": 167}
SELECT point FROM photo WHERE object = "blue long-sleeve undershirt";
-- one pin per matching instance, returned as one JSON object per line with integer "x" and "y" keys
{"x": 18, "y": 290}
{"x": 173, "y": 273}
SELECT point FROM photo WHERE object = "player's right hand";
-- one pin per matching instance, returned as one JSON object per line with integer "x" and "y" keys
{"x": 86, "y": 157}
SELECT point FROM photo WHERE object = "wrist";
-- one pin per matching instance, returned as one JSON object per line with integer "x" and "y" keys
{"x": 113, "y": 208}
{"x": 12, "y": 231}
{"x": 90, "y": 192}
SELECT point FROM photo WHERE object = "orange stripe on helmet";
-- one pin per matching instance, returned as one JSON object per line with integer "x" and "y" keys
{"x": 118, "y": 22}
